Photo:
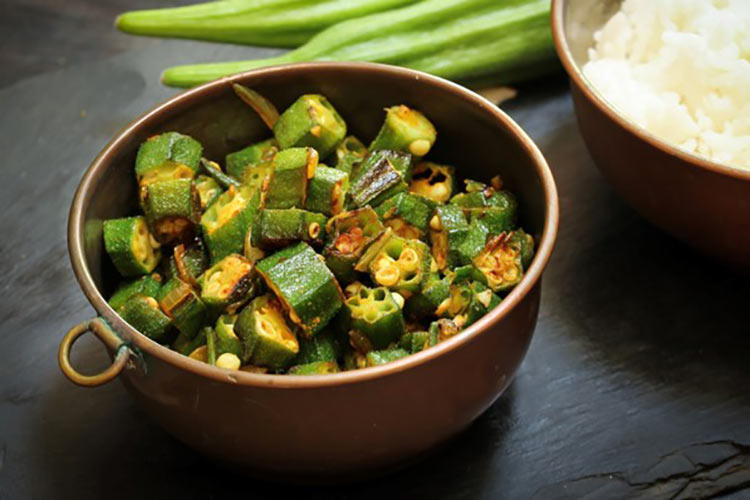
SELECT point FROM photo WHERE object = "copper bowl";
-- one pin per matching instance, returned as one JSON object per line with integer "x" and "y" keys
{"x": 696, "y": 200}
{"x": 332, "y": 426}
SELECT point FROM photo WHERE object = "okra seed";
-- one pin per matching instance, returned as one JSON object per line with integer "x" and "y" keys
{"x": 152, "y": 302}
{"x": 228, "y": 361}
{"x": 399, "y": 299}
{"x": 435, "y": 223}
{"x": 420, "y": 147}
{"x": 313, "y": 230}
{"x": 388, "y": 276}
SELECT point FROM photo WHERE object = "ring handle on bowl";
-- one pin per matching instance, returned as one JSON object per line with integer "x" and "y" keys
{"x": 113, "y": 342}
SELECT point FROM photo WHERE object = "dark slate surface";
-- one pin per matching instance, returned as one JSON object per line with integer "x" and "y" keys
{"x": 637, "y": 383}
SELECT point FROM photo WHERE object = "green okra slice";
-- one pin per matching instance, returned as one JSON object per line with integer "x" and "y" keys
{"x": 414, "y": 342}
{"x": 426, "y": 302}
{"x": 214, "y": 170}
{"x": 483, "y": 300}
{"x": 448, "y": 230}
{"x": 315, "y": 368}
{"x": 311, "y": 121}
{"x": 208, "y": 190}
{"x": 170, "y": 150}
{"x": 185, "y": 344}
{"x": 147, "y": 286}
{"x": 224, "y": 348}
{"x": 325, "y": 346}
{"x": 480, "y": 195}
{"x": 375, "y": 358}
{"x": 377, "y": 178}
{"x": 467, "y": 303}
{"x": 227, "y": 221}
{"x": 473, "y": 243}
{"x": 407, "y": 130}
{"x": 407, "y": 214}
{"x": 402, "y": 265}
{"x": 444, "y": 329}
{"x": 376, "y": 314}
{"x": 144, "y": 315}
{"x": 292, "y": 170}
{"x": 188, "y": 261}
{"x": 262, "y": 152}
{"x": 350, "y": 234}
{"x": 306, "y": 287}
{"x": 267, "y": 339}
{"x": 172, "y": 208}
{"x": 181, "y": 303}
{"x": 349, "y": 153}
{"x": 227, "y": 284}
{"x": 327, "y": 190}
{"x": 437, "y": 182}
{"x": 274, "y": 228}
{"x": 500, "y": 264}
{"x": 131, "y": 246}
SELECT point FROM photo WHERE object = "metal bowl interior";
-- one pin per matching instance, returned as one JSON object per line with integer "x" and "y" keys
{"x": 474, "y": 135}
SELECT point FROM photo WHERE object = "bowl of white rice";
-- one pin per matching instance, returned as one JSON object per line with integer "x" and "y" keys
{"x": 661, "y": 90}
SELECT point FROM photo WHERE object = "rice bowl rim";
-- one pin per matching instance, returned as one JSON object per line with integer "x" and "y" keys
{"x": 580, "y": 80}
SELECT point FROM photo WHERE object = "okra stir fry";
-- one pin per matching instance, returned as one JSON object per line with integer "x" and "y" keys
{"x": 277, "y": 262}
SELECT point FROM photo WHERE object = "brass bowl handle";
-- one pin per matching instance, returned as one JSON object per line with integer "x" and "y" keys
{"x": 113, "y": 342}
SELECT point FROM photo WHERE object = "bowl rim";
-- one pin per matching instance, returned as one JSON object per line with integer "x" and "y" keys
{"x": 576, "y": 75}
{"x": 80, "y": 203}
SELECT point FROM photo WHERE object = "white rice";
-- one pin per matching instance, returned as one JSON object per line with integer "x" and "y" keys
{"x": 681, "y": 70}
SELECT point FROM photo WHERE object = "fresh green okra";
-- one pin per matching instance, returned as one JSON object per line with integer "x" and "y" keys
{"x": 500, "y": 265}
{"x": 130, "y": 246}
{"x": 266, "y": 337}
{"x": 179, "y": 301}
{"x": 144, "y": 315}
{"x": 402, "y": 265}
{"x": 170, "y": 150}
{"x": 350, "y": 233}
{"x": 208, "y": 190}
{"x": 375, "y": 358}
{"x": 377, "y": 178}
{"x": 172, "y": 208}
{"x": 311, "y": 121}
{"x": 226, "y": 222}
{"x": 227, "y": 284}
{"x": 407, "y": 214}
{"x": 349, "y": 153}
{"x": 188, "y": 262}
{"x": 238, "y": 162}
{"x": 316, "y": 368}
{"x": 426, "y": 302}
{"x": 292, "y": 170}
{"x": 415, "y": 342}
{"x": 437, "y": 182}
{"x": 448, "y": 230}
{"x": 185, "y": 345}
{"x": 327, "y": 190}
{"x": 325, "y": 346}
{"x": 279, "y": 228}
{"x": 214, "y": 170}
{"x": 306, "y": 287}
{"x": 376, "y": 314}
{"x": 148, "y": 286}
{"x": 405, "y": 130}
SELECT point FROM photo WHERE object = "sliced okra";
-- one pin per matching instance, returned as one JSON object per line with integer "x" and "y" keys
{"x": 267, "y": 339}
{"x": 448, "y": 230}
{"x": 185, "y": 345}
{"x": 483, "y": 300}
{"x": 402, "y": 265}
{"x": 375, "y": 358}
{"x": 131, "y": 246}
{"x": 227, "y": 221}
{"x": 407, "y": 130}
{"x": 292, "y": 170}
{"x": 327, "y": 190}
{"x": 349, "y": 153}
{"x": 376, "y": 179}
{"x": 227, "y": 284}
{"x": 526, "y": 243}
{"x": 262, "y": 152}
{"x": 426, "y": 302}
{"x": 467, "y": 302}
{"x": 214, "y": 170}
{"x": 376, "y": 315}
{"x": 444, "y": 329}
{"x": 437, "y": 182}
{"x": 473, "y": 243}
{"x": 350, "y": 234}
{"x": 480, "y": 195}
{"x": 315, "y": 368}
{"x": 147, "y": 286}
{"x": 189, "y": 261}
{"x": 310, "y": 122}
{"x": 407, "y": 214}
{"x": 208, "y": 190}
{"x": 274, "y": 228}
{"x": 415, "y": 342}
{"x": 179, "y": 301}
{"x": 144, "y": 315}
{"x": 223, "y": 341}
{"x": 169, "y": 149}
{"x": 500, "y": 264}
{"x": 306, "y": 287}
{"x": 373, "y": 250}
{"x": 325, "y": 346}
{"x": 172, "y": 208}
{"x": 258, "y": 176}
